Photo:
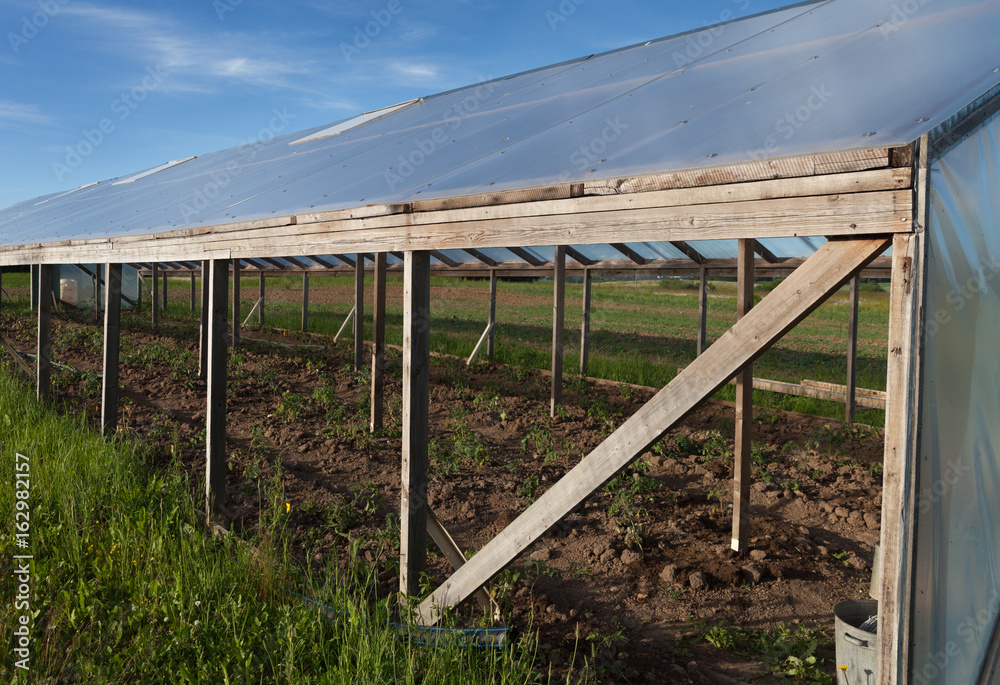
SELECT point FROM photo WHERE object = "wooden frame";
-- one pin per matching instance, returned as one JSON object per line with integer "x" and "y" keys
{"x": 43, "y": 360}
{"x": 237, "y": 316}
{"x": 215, "y": 414}
{"x": 359, "y": 312}
{"x": 744, "y": 408}
{"x": 203, "y": 325}
{"x": 585, "y": 323}
{"x": 558, "y": 327}
{"x": 852, "y": 350}
{"x": 825, "y": 272}
{"x": 378, "y": 345}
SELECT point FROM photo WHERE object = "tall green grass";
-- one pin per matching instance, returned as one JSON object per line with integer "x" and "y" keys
{"x": 127, "y": 587}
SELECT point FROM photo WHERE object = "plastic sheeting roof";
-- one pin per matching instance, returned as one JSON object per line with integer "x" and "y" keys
{"x": 810, "y": 78}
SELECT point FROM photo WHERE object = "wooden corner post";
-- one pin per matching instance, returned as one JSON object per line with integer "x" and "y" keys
{"x": 203, "y": 329}
{"x": 215, "y": 415}
{"x": 112, "y": 346}
{"x": 237, "y": 314}
{"x": 378, "y": 345}
{"x": 359, "y": 312}
{"x": 558, "y": 326}
{"x": 416, "y": 376}
{"x": 744, "y": 406}
{"x": 44, "y": 352}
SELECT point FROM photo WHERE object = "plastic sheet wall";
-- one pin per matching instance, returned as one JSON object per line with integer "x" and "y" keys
{"x": 957, "y": 575}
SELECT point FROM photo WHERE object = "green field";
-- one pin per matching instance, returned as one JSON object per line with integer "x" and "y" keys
{"x": 641, "y": 331}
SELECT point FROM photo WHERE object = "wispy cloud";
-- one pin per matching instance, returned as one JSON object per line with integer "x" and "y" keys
{"x": 17, "y": 115}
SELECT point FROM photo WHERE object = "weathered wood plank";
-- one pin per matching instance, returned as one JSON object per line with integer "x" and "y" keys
{"x": 359, "y": 312}
{"x": 43, "y": 360}
{"x": 237, "y": 314}
{"x": 832, "y": 265}
{"x": 261, "y": 292}
{"x": 482, "y": 339}
{"x": 702, "y": 310}
{"x": 378, "y": 345}
{"x": 305, "y": 301}
{"x": 155, "y": 281}
{"x": 112, "y": 347}
{"x": 492, "y": 338}
{"x": 585, "y": 324}
{"x": 203, "y": 326}
{"x": 744, "y": 407}
{"x": 215, "y": 414}
{"x": 18, "y": 361}
{"x": 558, "y": 327}
{"x": 842, "y": 389}
{"x": 452, "y": 552}
{"x": 416, "y": 402}
{"x": 852, "y": 350}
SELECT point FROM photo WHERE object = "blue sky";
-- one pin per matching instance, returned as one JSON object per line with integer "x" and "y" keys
{"x": 96, "y": 90}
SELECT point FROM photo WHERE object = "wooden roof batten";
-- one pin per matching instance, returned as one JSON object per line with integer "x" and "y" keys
{"x": 853, "y": 193}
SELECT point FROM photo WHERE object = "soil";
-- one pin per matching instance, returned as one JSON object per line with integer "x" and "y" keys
{"x": 642, "y": 567}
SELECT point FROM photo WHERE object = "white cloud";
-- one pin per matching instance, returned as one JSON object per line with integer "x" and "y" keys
{"x": 414, "y": 71}
{"x": 15, "y": 113}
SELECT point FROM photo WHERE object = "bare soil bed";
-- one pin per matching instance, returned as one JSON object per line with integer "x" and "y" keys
{"x": 632, "y": 580}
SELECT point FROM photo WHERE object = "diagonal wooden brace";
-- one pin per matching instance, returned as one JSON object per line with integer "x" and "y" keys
{"x": 808, "y": 287}
{"x": 16, "y": 356}
{"x": 453, "y": 553}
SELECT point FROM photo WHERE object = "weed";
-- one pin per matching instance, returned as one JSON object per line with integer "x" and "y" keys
{"x": 290, "y": 407}
{"x": 686, "y": 444}
{"x": 528, "y": 489}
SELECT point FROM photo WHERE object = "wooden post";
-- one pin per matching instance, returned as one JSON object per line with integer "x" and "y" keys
{"x": 215, "y": 414}
{"x": 492, "y": 337}
{"x": 585, "y": 325}
{"x": 744, "y": 406}
{"x": 203, "y": 332}
{"x": 558, "y": 324}
{"x": 34, "y": 286}
{"x": 794, "y": 299}
{"x": 852, "y": 349}
{"x": 237, "y": 318}
{"x": 260, "y": 296}
{"x": 44, "y": 346}
{"x": 703, "y": 311}
{"x": 378, "y": 345}
{"x": 194, "y": 301}
{"x": 156, "y": 297}
{"x": 416, "y": 374}
{"x": 1, "y": 287}
{"x": 359, "y": 312}
{"x": 112, "y": 345}
{"x": 165, "y": 290}
{"x": 97, "y": 288}
{"x": 305, "y": 301}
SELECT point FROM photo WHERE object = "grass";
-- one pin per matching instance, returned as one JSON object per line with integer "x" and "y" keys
{"x": 641, "y": 331}
{"x": 127, "y": 587}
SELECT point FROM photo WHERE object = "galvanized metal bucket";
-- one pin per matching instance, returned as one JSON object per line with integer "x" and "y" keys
{"x": 855, "y": 647}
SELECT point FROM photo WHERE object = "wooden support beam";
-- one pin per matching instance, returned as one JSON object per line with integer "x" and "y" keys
{"x": 203, "y": 327}
{"x": 558, "y": 327}
{"x": 378, "y": 345}
{"x": 689, "y": 251}
{"x": 702, "y": 310}
{"x": 481, "y": 257}
{"x": 492, "y": 338}
{"x": 585, "y": 325}
{"x": 305, "y": 301}
{"x": 899, "y": 462}
{"x": 322, "y": 262}
{"x": 527, "y": 256}
{"x": 343, "y": 326}
{"x": 112, "y": 346}
{"x": 579, "y": 257}
{"x": 156, "y": 296}
{"x": 359, "y": 312}
{"x": 297, "y": 263}
{"x": 765, "y": 253}
{"x": 44, "y": 342}
{"x": 852, "y": 349}
{"x": 832, "y": 265}
{"x": 453, "y": 553}
{"x": 18, "y": 361}
{"x": 194, "y": 298}
{"x": 482, "y": 339}
{"x": 416, "y": 400}
{"x": 254, "y": 308}
{"x": 744, "y": 408}
{"x": 347, "y": 260}
{"x": 630, "y": 253}
{"x": 215, "y": 415}
{"x": 33, "y": 277}
{"x": 237, "y": 319}
{"x": 444, "y": 259}
{"x": 164, "y": 290}
{"x": 261, "y": 287}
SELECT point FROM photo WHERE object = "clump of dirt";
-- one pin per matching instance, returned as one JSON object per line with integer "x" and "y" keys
{"x": 631, "y": 579}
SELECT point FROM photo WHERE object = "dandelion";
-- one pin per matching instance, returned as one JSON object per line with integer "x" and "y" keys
{"x": 288, "y": 507}
{"x": 197, "y": 602}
